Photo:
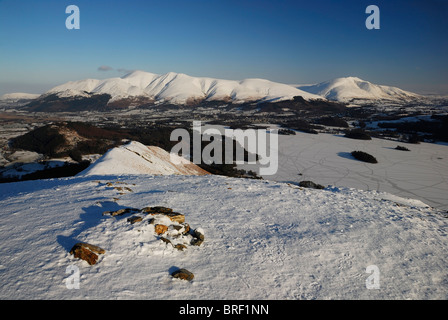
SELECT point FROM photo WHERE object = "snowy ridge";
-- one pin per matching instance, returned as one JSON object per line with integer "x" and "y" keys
{"x": 16, "y": 96}
{"x": 136, "y": 158}
{"x": 349, "y": 88}
{"x": 180, "y": 88}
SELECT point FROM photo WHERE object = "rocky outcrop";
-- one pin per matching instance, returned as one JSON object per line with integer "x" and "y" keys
{"x": 183, "y": 274}
{"x": 310, "y": 184}
{"x": 87, "y": 252}
{"x": 169, "y": 227}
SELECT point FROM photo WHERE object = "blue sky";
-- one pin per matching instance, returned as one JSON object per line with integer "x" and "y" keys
{"x": 286, "y": 41}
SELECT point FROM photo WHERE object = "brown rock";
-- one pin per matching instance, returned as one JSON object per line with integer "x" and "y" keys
{"x": 198, "y": 235}
{"x": 134, "y": 219}
{"x": 158, "y": 209}
{"x": 120, "y": 212}
{"x": 176, "y": 217}
{"x": 187, "y": 227}
{"x": 183, "y": 274}
{"x": 160, "y": 228}
{"x": 196, "y": 242}
{"x": 165, "y": 240}
{"x": 178, "y": 228}
{"x": 180, "y": 247}
{"x": 87, "y": 252}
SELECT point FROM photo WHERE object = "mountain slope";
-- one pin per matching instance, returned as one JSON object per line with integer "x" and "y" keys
{"x": 136, "y": 158}
{"x": 181, "y": 88}
{"x": 263, "y": 240}
{"x": 349, "y": 88}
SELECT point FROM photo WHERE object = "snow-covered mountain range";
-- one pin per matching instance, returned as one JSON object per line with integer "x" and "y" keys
{"x": 350, "y": 88}
{"x": 181, "y": 88}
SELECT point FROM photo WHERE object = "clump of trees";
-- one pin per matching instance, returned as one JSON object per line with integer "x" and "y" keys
{"x": 359, "y": 134}
{"x": 364, "y": 156}
{"x": 302, "y": 125}
{"x": 333, "y": 122}
{"x": 401, "y": 148}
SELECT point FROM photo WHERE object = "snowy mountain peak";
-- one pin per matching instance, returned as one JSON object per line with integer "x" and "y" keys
{"x": 346, "y": 89}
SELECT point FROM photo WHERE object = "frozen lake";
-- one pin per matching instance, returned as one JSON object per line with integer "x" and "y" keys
{"x": 421, "y": 173}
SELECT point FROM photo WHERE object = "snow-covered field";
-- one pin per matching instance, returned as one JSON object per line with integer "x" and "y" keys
{"x": 421, "y": 173}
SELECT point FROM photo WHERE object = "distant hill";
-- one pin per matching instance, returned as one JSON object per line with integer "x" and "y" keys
{"x": 350, "y": 88}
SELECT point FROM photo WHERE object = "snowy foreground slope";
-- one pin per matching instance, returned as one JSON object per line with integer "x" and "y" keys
{"x": 263, "y": 240}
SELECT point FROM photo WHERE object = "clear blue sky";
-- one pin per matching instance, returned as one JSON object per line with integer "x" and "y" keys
{"x": 286, "y": 41}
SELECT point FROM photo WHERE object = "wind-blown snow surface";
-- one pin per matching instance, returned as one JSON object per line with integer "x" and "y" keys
{"x": 263, "y": 240}
{"x": 349, "y": 88}
{"x": 179, "y": 88}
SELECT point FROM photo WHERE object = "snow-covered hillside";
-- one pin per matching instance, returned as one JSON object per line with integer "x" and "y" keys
{"x": 181, "y": 88}
{"x": 136, "y": 158}
{"x": 263, "y": 240}
{"x": 349, "y": 88}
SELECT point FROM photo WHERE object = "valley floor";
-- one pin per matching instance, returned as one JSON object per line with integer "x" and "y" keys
{"x": 421, "y": 173}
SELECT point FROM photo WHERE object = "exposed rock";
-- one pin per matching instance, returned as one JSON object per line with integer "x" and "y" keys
{"x": 178, "y": 228}
{"x": 183, "y": 274}
{"x": 186, "y": 228}
{"x": 176, "y": 217}
{"x": 180, "y": 247}
{"x": 160, "y": 229}
{"x": 157, "y": 209}
{"x": 120, "y": 212}
{"x": 310, "y": 184}
{"x": 199, "y": 233}
{"x": 87, "y": 252}
{"x": 196, "y": 242}
{"x": 165, "y": 240}
{"x": 134, "y": 219}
